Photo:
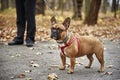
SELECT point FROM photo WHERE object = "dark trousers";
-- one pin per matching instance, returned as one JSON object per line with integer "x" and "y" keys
{"x": 25, "y": 10}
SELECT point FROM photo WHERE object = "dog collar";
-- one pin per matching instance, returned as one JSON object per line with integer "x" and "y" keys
{"x": 64, "y": 41}
{"x": 68, "y": 44}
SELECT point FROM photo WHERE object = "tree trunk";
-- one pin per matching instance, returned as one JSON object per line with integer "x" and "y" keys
{"x": 60, "y": 4}
{"x": 75, "y": 9}
{"x": 91, "y": 18}
{"x": 40, "y": 7}
{"x": 11, "y": 3}
{"x": 4, "y": 4}
{"x": 104, "y": 6}
{"x": 115, "y": 6}
{"x": 52, "y": 6}
{"x": 77, "y": 4}
{"x": 87, "y": 6}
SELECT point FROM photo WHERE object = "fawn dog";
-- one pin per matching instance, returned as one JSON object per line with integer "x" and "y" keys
{"x": 75, "y": 45}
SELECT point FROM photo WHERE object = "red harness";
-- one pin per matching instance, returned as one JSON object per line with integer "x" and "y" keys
{"x": 68, "y": 44}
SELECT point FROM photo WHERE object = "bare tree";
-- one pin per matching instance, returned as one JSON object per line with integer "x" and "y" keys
{"x": 91, "y": 18}
{"x": 114, "y": 8}
{"x": 87, "y": 6}
{"x": 40, "y": 7}
{"x": 104, "y": 6}
{"x": 4, "y": 4}
{"x": 77, "y": 4}
{"x": 11, "y": 3}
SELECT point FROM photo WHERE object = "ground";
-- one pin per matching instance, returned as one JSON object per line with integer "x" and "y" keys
{"x": 36, "y": 63}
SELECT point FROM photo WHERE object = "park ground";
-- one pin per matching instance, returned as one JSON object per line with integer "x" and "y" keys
{"x": 36, "y": 63}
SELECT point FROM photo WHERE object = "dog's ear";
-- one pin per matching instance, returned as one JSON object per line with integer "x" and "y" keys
{"x": 66, "y": 23}
{"x": 53, "y": 20}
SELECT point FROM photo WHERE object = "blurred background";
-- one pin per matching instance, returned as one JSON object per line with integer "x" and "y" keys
{"x": 100, "y": 18}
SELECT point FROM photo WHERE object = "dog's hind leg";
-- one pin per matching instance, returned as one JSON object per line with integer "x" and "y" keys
{"x": 100, "y": 58}
{"x": 90, "y": 57}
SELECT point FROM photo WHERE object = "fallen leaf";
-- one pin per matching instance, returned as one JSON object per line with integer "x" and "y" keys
{"x": 31, "y": 62}
{"x": 28, "y": 71}
{"x": 67, "y": 65}
{"x": 50, "y": 52}
{"x": 32, "y": 48}
{"x": 17, "y": 55}
{"x": 52, "y": 76}
{"x": 109, "y": 66}
{"x": 105, "y": 48}
{"x": 39, "y": 53}
{"x": 55, "y": 66}
{"x": 49, "y": 68}
{"x": 5, "y": 43}
{"x": 12, "y": 56}
{"x": 21, "y": 76}
{"x": 108, "y": 73}
{"x": 34, "y": 65}
{"x": 28, "y": 79}
{"x": 12, "y": 77}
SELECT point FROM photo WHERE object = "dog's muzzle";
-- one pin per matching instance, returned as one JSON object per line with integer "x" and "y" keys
{"x": 55, "y": 33}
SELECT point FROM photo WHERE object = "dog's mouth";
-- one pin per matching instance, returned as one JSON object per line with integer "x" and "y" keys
{"x": 55, "y": 34}
{"x": 54, "y": 38}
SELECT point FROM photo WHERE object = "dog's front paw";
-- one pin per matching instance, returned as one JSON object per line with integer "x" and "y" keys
{"x": 87, "y": 67}
{"x": 62, "y": 68}
{"x": 101, "y": 70}
{"x": 70, "y": 71}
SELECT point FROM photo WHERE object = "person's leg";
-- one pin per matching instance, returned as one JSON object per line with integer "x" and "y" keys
{"x": 20, "y": 22}
{"x": 30, "y": 17}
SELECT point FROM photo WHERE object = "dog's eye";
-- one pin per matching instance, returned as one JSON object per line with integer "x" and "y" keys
{"x": 52, "y": 28}
{"x": 60, "y": 29}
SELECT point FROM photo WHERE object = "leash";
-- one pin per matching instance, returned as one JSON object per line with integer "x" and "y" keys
{"x": 54, "y": 13}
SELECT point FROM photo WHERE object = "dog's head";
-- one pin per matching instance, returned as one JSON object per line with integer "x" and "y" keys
{"x": 59, "y": 31}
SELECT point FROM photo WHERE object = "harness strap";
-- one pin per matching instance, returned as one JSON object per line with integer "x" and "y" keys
{"x": 68, "y": 44}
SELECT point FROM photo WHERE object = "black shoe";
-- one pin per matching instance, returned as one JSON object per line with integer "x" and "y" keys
{"x": 16, "y": 41}
{"x": 29, "y": 43}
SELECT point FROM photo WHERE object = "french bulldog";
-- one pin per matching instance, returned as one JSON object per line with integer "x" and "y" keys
{"x": 75, "y": 46}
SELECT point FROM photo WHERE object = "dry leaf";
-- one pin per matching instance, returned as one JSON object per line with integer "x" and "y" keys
{"x": 28, "y": 71}
{"x": 67, "y": 65}
{"x": 55, "y": 66}
{"x": 50, "y": 52}
{"x": 105, "y": 48}
{"x": 12, "y": 77}
{"x": 108, "y": 73}
{"x": 39, "y": 53}
{"x": 76, "y": 62}
{"x": 17, "y": 55}
{"x": 34, "y": 65}
{"x": 28, "y": 79}
{"x": 52, "y": 76}
{"x": 31, "y": 48}
{"x": 12, "y": 56}
{"x": 109, "y": 66}
{"x": 31, "y": 62}
{"x": 21, "y": 76}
